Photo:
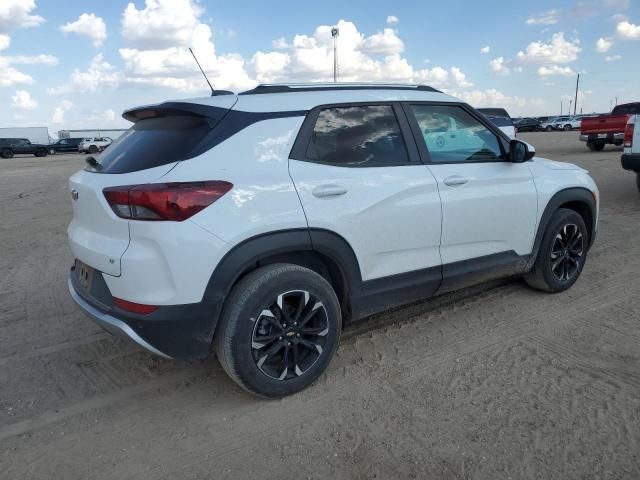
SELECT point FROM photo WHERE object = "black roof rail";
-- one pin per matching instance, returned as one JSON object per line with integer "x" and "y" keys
{"x": 284, "y": 88}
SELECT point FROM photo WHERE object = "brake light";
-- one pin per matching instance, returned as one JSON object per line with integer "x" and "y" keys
{"x": 164, "y": 201}
{"x": 628, "y": 135}
{"x": 132, "y": 307}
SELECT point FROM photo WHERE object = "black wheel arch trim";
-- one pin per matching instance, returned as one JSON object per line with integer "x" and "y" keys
{"x": 567, "y": 195}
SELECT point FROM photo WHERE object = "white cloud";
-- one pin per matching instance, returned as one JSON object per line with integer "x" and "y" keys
{"x": 550, "y": 70}
{"x": 612, "y": 58}
{"x": 16, "y": 14}
{"x": 161, "y": 24}
{"x": 603, "y": 44}
{"x": 48, "y": 60}
{"x": 88, "y": 25}
{"x": 499, "y": 67}
{"x": 382, "y": 43}
{"x": 280, "y": 43}
{"x": 269, "y": 66}
{"x": 23, "y": 100}
{"x": 494, "y": 98}
{"x": 5, "y": 41}
{"x": 558, "y": 50}
{"x": 485, "y": 50}
{"x": 628, "y": 31}
{"x": 100, "y": 74}
{"x": 550, "y": 17}
{"x": 60, "y": 111}
{"x": 460, "y": 78}
{"x": 392, "y": 20}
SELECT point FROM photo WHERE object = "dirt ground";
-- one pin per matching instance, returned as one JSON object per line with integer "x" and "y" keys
{"x": 496, "y": 382}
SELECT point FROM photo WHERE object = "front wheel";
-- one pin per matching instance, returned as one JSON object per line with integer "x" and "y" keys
{"x": 549, "y": 128}
{"x": 567, "y": 128}
{"x": 279, "y": 329}
{"x": 93, "y": 149}
{"x": 41, "y": 152}
{"x": 562, "y": 253}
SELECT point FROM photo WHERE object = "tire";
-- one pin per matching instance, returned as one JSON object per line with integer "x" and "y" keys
{"x": 567, "y": 128}
{"x": 6, "y": 153}
{"x": 251, "y": 313}
{"x": 548, "y": 128}
{"x": 93, "y": 149}
{"x": 41, "y": 152}
{"x": 595, "y": 146}
{"x": 567, "y": 225}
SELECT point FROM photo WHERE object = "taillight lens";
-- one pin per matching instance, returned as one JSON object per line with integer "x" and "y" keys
{"x": 164, "y": 201}
{"x": 132, "y": 307}
{"x": 628, "y": 135}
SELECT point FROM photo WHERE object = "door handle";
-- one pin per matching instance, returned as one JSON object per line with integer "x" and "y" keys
{"x": 455, "y": 180}
{"x": 328, "y": 191}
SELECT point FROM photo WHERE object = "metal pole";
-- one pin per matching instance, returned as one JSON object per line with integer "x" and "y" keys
{"x": 560, "y": 107}
{"x": 575, "y": 103}
{"x": 334, "y": 33}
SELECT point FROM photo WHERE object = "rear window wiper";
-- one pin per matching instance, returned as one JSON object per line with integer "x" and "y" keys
{"x": 92, "y": 162}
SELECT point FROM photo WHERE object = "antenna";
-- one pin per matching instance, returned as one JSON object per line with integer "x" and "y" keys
{"x": 334, "y": 33}
{"x": 213, "y": 91}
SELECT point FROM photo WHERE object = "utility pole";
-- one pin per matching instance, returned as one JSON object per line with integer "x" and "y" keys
{"x": 334, "y": 33}
{"x": 616, "y": 101}
{"x": 560, "y": 107}
{"x": 574, "y": 110}
{"x": 575, "y": 104}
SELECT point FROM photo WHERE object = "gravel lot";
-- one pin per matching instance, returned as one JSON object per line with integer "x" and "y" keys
{"x": 496, "y": 382}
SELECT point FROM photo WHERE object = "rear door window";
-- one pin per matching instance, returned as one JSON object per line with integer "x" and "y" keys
{"x": 153, "y": 142}
{"x": 357, "y": 136}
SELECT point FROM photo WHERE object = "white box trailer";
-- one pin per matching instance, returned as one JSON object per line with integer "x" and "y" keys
{"x": 34, "y": 134}
{"x": 111, "y": 133}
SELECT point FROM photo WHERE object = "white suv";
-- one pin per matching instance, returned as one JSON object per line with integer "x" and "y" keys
{"x": 94, "y": 144}
{"x": 257, "y": 224}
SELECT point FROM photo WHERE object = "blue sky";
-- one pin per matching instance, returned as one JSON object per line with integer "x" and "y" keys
{"x": 79, "y": 64}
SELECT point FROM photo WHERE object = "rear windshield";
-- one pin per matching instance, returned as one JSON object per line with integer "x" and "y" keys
{"x": 153, "y": 142}
{"x": 630, "y": 109}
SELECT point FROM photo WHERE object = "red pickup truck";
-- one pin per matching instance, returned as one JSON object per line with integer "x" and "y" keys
{"x": 598, "y": 131}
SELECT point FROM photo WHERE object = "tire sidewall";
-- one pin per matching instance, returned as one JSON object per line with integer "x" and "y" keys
{"x": 240, "y": 316}
{"x": 557, "y": 222}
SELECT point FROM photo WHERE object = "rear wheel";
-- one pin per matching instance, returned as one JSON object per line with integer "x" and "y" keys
{"x": 93, "y": 149}
{"x": 279, "y": 330}
{"x": 549, "y": 128}
{"x": 6, "y": 153}
{"x": 567, "y": 128}
{"x": 562, "y": 253}
{"x": 40, "y": 152}
{"x": 595, "y": 146}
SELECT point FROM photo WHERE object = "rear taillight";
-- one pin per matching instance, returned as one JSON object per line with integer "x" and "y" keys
{"x": 628, "y": 135}
{"x": 164, "y": 201}
{"x": 132, "y": 307}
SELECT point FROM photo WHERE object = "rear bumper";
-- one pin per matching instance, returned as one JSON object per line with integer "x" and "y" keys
{"x": 176, "y": 331}
{"x": 631, "y": 161}
{"x": 109, "y": 323}
{"x": 599, "y": 137}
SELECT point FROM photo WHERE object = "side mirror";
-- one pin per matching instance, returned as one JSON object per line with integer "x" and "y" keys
{"x": 520, "y": 152}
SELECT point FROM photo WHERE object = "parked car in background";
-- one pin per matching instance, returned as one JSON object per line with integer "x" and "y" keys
{"x": 631, "y": 156}
{"x": 566, "y": 123}
{"x": 65, "y": 145}
{"x": 607, "y": 129}
{"x": 194, "y": 234}
{"x": 11, "y": 146}
{"x": 500, "y": 119}
{"x": 549, "y": 124}
{"x": 94, "y": 144}
{"x": 529, "y": 125}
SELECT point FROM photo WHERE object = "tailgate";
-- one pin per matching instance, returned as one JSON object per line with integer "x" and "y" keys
{"x": 97, "y": 236}
{"x": 604, "y": 124}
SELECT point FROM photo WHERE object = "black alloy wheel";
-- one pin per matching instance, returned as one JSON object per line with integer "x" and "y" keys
{"x": 566, "y": 253}
{"x": 289, "y": 335}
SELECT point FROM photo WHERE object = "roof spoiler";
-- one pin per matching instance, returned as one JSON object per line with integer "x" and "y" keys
{"x": 213, "y": 114}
